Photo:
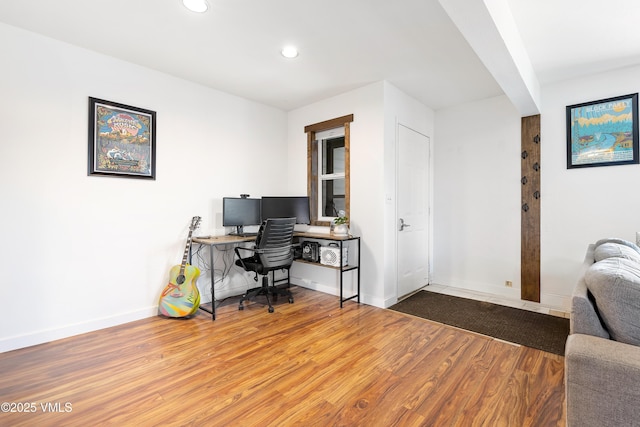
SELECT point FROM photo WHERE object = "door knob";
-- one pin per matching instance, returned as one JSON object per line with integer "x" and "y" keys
{"x": 403, "y": 225}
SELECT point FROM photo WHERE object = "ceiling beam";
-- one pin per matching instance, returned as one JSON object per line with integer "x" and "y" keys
{"x": 489, "y": 28}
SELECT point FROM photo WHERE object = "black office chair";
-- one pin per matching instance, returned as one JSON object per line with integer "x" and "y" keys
{"x": 273, "y": 251}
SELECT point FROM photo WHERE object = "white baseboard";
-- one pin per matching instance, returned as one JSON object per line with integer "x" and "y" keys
{"x": 548, "y": 300}
{"x": 334, "y": 290}
{"x": 40, "y": 337}
{"x": 315, "y": 286}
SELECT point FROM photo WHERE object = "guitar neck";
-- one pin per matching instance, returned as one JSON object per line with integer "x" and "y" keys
{"x": 186, "y": 253}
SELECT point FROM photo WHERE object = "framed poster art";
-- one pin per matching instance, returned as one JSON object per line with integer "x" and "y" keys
{"x": 122, "y": 140}
{"x": 603, "y": 133}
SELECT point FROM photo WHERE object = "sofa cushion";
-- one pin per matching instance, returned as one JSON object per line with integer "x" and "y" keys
{"x": 620, "y": 242}
{"x": 609, "y": 250}
{"x": 615, "y": 285}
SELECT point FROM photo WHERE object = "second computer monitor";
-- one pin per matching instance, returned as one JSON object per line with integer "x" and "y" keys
{"x": 286, "y": 207}
{"x": 238, "y": 212}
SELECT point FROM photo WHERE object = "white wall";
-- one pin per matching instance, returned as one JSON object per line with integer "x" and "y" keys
{"x": 367, "y": 189}
{"x": 476, "y": 210}
{"x": 477, "y": 193}
{"x": 580, "y": 206}
{"x": 80, "y": 253}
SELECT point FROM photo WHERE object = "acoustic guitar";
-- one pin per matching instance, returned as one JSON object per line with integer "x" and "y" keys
{"x": 181, "y": 297}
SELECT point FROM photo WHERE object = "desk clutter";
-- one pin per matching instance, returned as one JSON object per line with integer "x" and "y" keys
{"x": 325, "y": 255}
{"x": 309, "y": 251}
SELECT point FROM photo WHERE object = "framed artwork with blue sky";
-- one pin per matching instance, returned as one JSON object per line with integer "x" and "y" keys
{"x": 603, "y": 133}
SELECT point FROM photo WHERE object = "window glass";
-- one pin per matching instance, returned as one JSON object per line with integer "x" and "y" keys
{"x": 333, "y": 197}
{"x": 333, "y": 156}
{"x": 332, "y": 178}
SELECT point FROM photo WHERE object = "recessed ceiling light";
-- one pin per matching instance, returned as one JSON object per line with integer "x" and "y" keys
{"x": 199, "y": 6}
{"x": 289, "y": 52}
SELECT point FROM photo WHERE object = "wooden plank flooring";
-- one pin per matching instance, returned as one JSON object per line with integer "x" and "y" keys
{"x": 308, "y": 364}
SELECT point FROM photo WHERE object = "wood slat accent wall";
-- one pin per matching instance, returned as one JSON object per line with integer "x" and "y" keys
{"x": 530, "y": 209}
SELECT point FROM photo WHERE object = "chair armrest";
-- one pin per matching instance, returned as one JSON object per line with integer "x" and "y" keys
{"x": 601, "y": 379}
{"x": 237, "y": 250}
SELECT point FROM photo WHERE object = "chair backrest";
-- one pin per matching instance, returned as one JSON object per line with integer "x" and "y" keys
{"x": 274, "y": 243}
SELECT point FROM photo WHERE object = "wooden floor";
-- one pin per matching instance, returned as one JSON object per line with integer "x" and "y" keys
{"x": 308, "y": 364}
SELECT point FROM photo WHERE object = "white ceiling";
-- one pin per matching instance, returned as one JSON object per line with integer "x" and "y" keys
{"x": 344, "y": 44}
{"x": 572, "y": 38}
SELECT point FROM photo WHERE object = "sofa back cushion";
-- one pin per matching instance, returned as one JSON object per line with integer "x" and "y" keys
{"x": 615, "y": 284}
{"x": 610, "y": 250}
{"x": 618, "y": 241}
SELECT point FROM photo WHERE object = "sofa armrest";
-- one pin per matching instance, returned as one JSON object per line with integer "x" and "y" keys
{"x": 602, "y": 379}
{"x": 584, "y": 317}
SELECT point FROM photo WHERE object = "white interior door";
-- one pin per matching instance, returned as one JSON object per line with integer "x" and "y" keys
{"x": 412, "y": 210}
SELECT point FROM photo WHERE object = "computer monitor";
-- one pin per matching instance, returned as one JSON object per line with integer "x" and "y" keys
{"x": 286, "y": 207}
{"x": 240, "y": 211}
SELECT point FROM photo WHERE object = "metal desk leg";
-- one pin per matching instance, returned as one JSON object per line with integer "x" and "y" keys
{"x": 341, "y": 272}
{"x": 213, "y": 297}
{"x": 213, "y": 292}
{"x": 358, "y": 270}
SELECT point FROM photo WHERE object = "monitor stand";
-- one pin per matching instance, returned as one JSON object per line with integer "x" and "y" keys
{"x": 241, "y": 233}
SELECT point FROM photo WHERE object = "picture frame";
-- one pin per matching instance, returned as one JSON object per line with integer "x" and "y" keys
{"x": 603, "y": 132}
{"x": 122, "y": 140}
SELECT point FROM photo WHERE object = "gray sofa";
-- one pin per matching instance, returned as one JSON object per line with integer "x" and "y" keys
{"x": 602, "y": 356}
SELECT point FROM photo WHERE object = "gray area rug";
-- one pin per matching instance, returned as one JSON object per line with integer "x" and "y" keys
{"x": 537, "y": 330}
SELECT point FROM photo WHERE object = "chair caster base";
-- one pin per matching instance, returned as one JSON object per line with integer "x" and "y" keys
{"x": 271, "y": 310}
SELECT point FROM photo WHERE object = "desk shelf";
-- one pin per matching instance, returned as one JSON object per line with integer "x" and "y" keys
{"x": 340, "y": 240}
{"x": 319, "y": 264}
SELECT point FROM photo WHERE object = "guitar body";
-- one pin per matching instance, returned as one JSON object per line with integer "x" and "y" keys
{"x": 181, "y": 297}
{"x": 180, "y": 300}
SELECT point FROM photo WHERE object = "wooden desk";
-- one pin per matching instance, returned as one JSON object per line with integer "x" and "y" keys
{"x": 213, "y": 241}
{"x": 222, "y": 240}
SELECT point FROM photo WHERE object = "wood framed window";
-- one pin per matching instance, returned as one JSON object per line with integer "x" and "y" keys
{"x": 328, "y": 176}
